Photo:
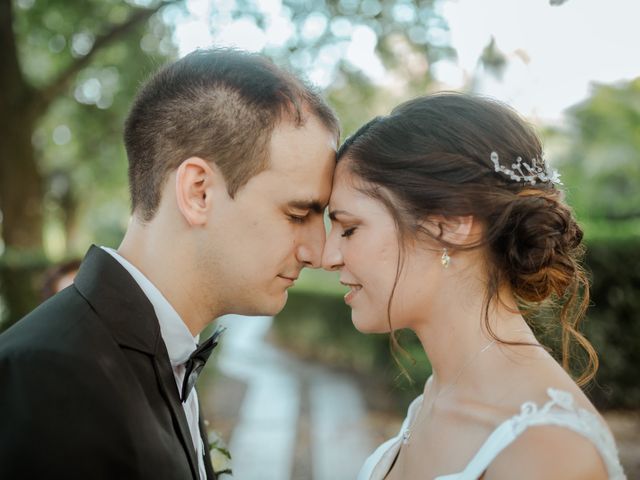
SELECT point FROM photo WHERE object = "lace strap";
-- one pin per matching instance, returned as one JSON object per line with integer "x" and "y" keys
{"x": 559, "y": 411}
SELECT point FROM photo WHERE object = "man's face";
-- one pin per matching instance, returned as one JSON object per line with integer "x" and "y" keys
{"x": 274, "y": 226}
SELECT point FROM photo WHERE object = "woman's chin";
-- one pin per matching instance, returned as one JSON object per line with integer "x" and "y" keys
{"x": 368, "y": 325}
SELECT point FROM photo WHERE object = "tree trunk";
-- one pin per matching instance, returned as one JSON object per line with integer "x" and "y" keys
{"x": 21, "y": 199}
{"x": 20, "y": 182}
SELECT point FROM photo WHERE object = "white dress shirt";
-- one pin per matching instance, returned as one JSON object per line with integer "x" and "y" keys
{"x": 180, "y": 345}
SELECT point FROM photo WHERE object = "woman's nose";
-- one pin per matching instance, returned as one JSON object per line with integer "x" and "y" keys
{"x": 331, "y": 255}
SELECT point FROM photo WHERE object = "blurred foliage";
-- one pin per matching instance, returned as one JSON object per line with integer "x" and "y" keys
{"x": 613, "y": 321}
{"x": 78, "y": 141}
{"x": 70, "y": 72}
{"x": 410, "y": 35}
{"x": 601, "y": 159}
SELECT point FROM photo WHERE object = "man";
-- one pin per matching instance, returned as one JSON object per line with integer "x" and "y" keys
{"x": 230, "y": 168}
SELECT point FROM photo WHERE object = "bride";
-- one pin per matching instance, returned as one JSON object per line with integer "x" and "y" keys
{"x": 447, "y": 220}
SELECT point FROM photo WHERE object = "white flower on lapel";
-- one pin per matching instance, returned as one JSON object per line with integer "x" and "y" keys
{"x": 219, "y": 453}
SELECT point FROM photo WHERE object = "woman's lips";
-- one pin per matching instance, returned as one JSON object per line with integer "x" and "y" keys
{"x": 349, "y": 296}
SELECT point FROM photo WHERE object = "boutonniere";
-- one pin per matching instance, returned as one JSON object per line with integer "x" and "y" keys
{"x": 219, "y": 454}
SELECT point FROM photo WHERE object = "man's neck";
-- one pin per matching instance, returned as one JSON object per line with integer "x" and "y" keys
{"x": 160, "y": 259}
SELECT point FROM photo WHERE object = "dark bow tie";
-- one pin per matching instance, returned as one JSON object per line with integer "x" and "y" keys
{"x": 196, "y": 362}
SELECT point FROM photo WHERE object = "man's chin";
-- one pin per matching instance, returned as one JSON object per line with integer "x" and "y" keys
{"x": 279, "y": 304}
{"x": 269, "y": 307}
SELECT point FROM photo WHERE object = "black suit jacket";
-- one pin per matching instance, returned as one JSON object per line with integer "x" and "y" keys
{"x": 87, "y": 390}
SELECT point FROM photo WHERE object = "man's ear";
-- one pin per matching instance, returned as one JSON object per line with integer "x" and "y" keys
{"x": 194, "y": 187}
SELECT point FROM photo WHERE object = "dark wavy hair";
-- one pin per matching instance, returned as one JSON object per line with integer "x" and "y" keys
{"x": 432, "y": 156}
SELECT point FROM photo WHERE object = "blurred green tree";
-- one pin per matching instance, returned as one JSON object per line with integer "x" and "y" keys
{"x": 602, "y": 159}
{"x": 69, "y": 70}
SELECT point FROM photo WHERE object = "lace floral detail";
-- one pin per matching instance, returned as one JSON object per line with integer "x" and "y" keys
{"x": 561, "y": 398}
{"x": 561, "y": 411}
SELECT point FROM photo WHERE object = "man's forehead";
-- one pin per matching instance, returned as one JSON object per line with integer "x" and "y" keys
{"x": 308, "y": 189}
{"x": 290, "y": 143}
{"x": 300, "y": 167}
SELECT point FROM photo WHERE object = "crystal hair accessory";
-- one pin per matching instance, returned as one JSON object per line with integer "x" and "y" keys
{"x": 522, "y": 171}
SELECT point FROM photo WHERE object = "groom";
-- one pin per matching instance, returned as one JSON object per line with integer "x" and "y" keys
{"x": 230, "y": 168}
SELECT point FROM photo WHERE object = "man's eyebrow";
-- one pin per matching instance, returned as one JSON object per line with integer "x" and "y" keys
{"x": 334, "y": 213}
{"x": 313, "y": 205}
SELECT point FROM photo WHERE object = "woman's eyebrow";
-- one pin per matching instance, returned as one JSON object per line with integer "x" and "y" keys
{"x": 334, "y": 213}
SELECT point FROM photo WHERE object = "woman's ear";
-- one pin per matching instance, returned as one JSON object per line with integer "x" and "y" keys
{"x": 459, "y": 230}
{"x": 194, "y": 182}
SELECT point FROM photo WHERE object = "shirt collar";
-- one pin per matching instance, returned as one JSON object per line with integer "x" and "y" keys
{"x": 177, "y": 337}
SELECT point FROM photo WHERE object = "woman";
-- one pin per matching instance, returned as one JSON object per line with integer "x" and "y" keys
{"x": 446, "y": 220}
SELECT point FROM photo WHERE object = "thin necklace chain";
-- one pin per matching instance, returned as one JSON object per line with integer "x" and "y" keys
{"x": 406, "y": 435}
{"x": 453, "y": 384}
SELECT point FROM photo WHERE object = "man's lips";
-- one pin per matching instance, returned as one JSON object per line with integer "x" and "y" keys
{"x": 291, "y": 278}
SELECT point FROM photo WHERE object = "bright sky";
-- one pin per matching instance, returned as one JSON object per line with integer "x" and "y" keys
{"x": 569, "y": 46}
{"x": 554, "y": 52}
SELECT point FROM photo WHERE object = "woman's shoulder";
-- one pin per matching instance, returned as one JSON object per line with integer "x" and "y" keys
{"x": 550, "y": 452}
{"x": 561, "y": 424}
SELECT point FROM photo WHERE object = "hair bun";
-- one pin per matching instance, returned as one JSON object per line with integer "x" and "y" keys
{"x": 540, "y": 244}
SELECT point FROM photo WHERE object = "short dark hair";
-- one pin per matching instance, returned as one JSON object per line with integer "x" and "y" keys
{"x": 218, "y": 104}
{"x": 432, "y": 156}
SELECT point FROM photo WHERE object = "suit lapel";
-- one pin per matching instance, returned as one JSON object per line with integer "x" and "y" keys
{"x": 128, "y": 314}
{"x": 167, "y": 382}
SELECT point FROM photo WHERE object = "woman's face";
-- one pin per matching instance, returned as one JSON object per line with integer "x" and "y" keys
{"x": 363, "y": 245}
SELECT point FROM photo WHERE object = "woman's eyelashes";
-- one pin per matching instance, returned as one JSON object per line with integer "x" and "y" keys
{"x": 348, "y": 232}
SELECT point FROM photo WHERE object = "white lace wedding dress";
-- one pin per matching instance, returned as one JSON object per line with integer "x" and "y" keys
{"x": 559, "y": 410}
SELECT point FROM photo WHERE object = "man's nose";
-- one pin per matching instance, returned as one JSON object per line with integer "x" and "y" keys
{"x": 309, "y": 251}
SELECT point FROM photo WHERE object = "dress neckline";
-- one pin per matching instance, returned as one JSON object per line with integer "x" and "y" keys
{"x": 560, "y": 410}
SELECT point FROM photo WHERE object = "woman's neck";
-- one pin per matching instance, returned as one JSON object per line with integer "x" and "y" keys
{"x": 457, "y": 341}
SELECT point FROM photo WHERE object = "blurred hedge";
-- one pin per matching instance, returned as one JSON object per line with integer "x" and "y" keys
{"x": 316, "y": 324}
{"x": 613, "y": 321}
